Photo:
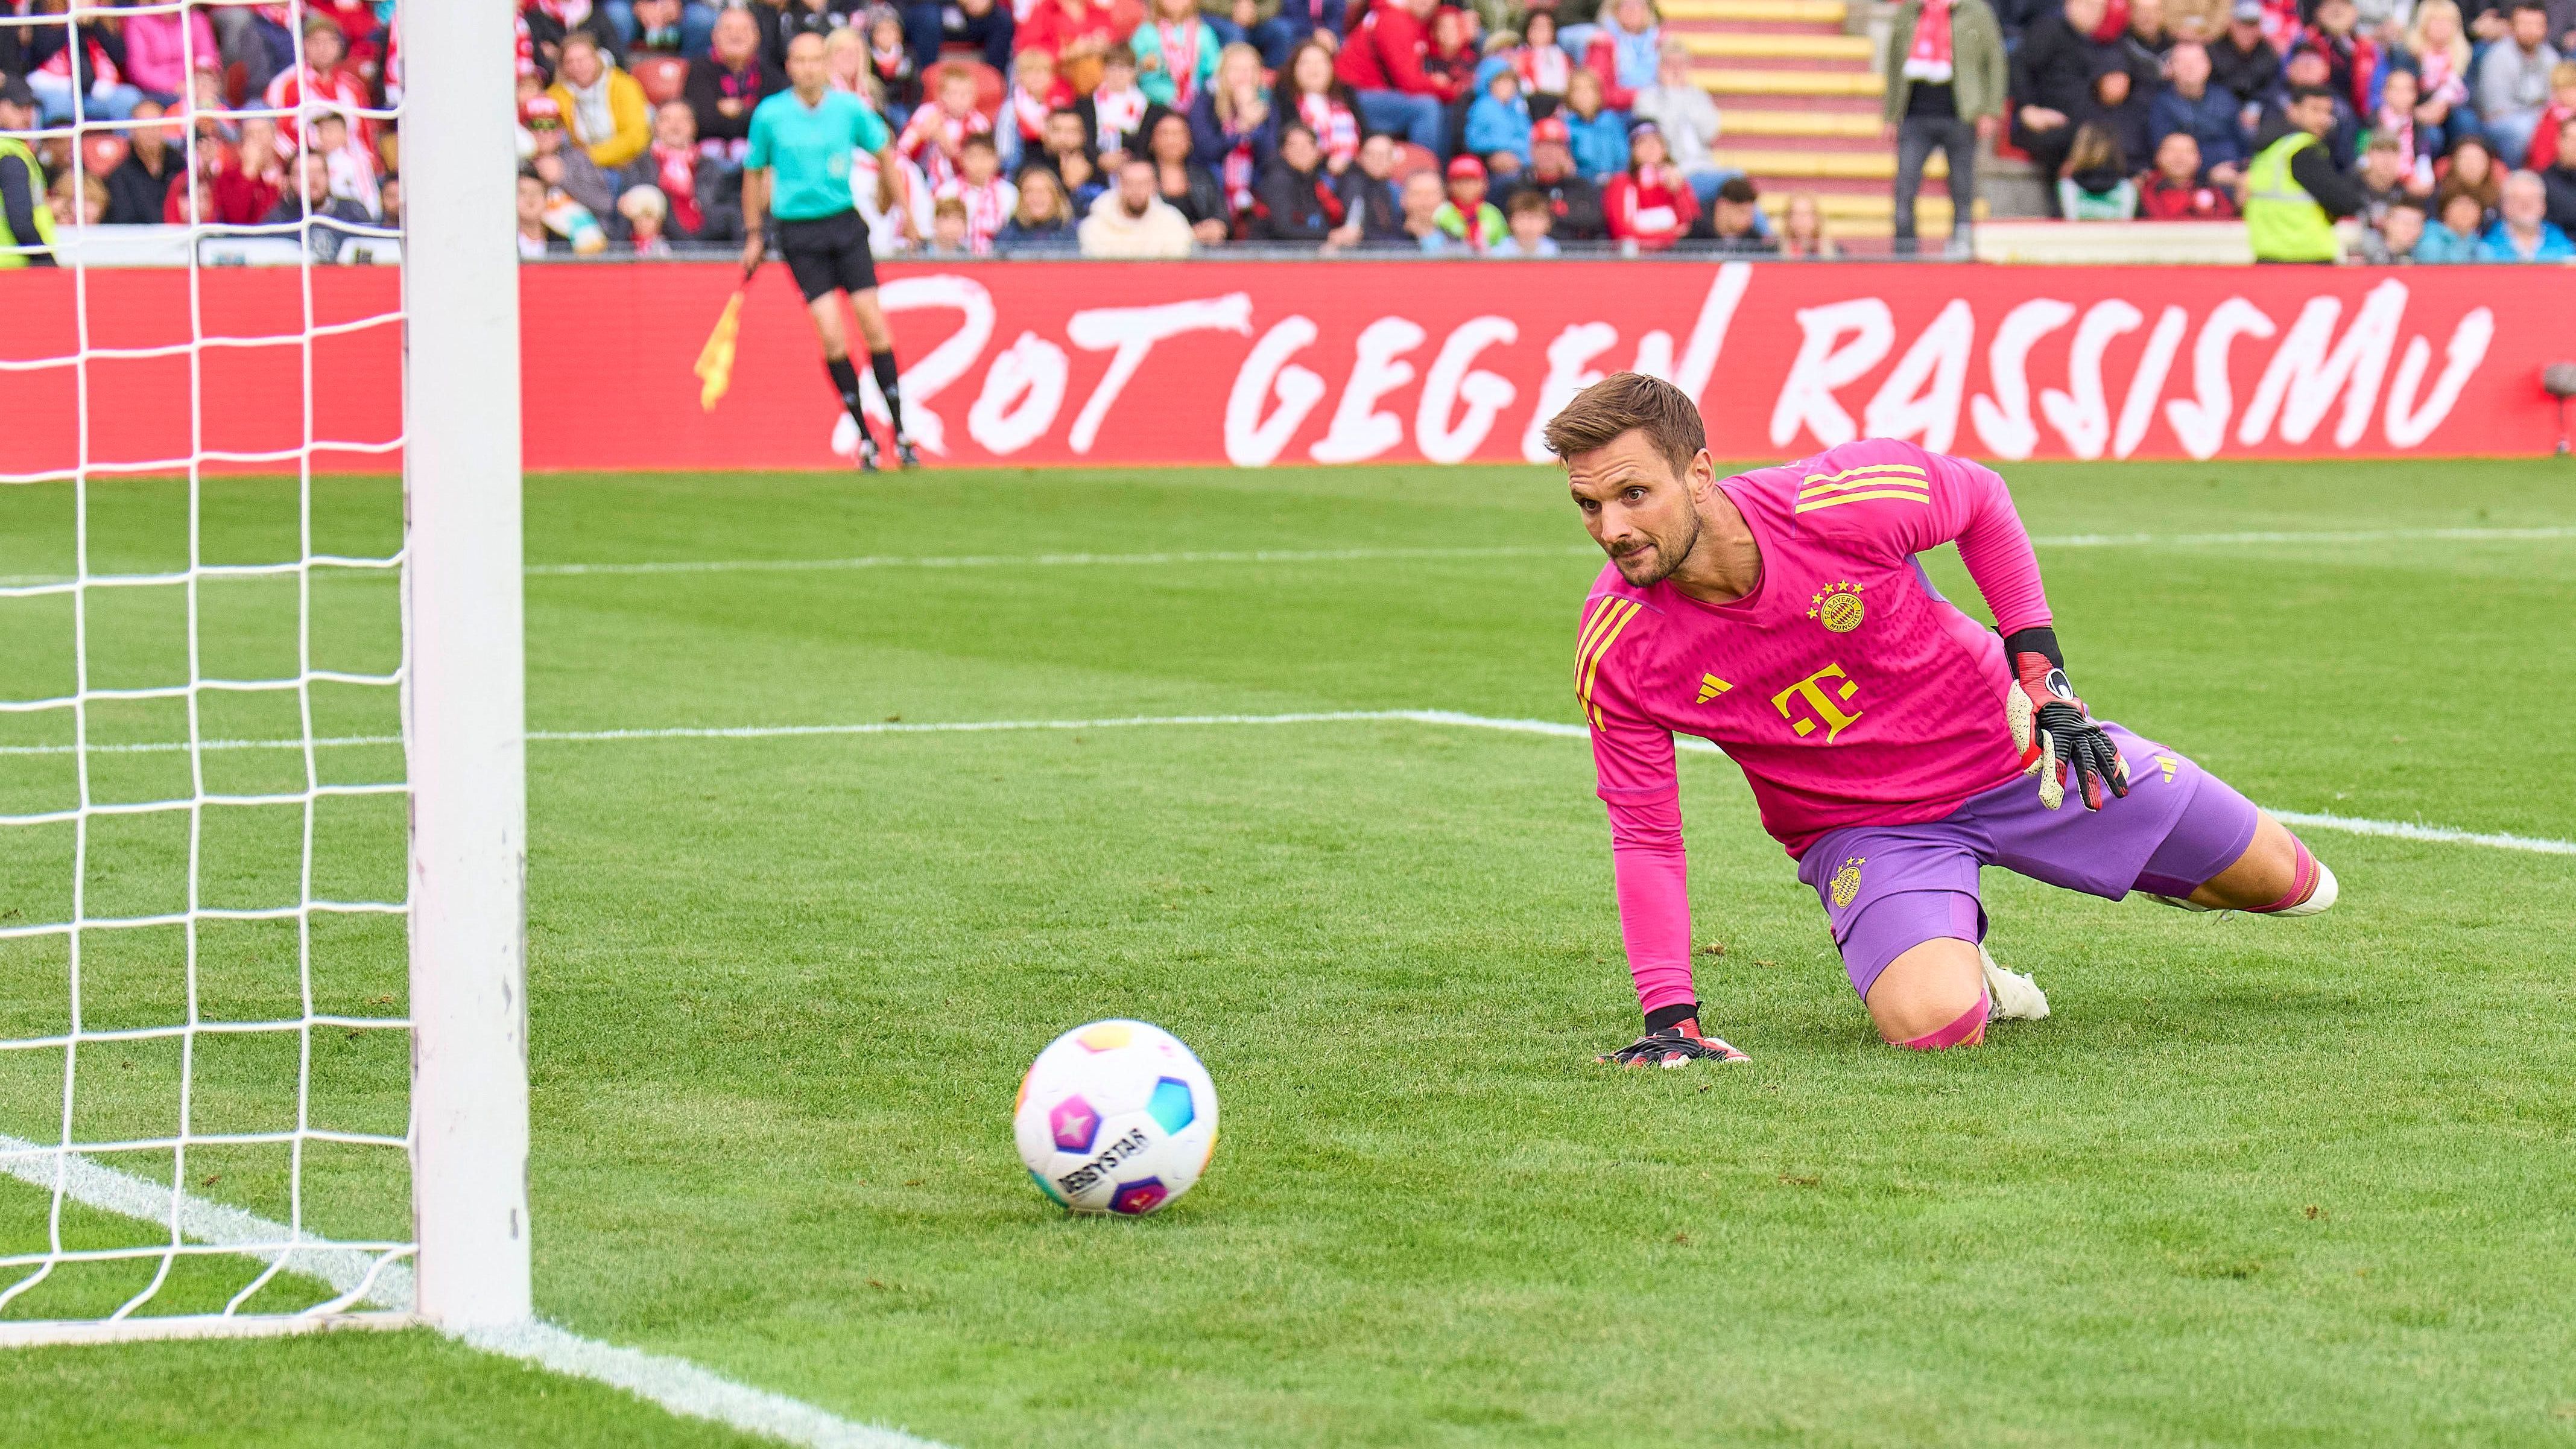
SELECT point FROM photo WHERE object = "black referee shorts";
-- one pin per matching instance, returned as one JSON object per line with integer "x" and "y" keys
{"x": 828, "y": 254}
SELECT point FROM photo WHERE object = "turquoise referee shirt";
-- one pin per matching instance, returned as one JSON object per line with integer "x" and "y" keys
{"x": 807, "y": 149}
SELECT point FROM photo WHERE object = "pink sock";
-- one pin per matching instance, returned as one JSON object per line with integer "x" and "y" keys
{"x": 1968, "y": 1030}
{"x": 2303, "y": 880}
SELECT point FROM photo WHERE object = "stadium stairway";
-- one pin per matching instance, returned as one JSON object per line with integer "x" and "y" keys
{"x": 1799, "y": 106}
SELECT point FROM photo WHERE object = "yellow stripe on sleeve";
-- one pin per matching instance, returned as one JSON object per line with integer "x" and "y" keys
{"x": 1601, "y": 651}
{"x": 1844, "y": 498}
{"x": 1813, "y": 479}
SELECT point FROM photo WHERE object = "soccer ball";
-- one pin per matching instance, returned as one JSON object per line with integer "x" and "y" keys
{"x": 1116, "y": 1117}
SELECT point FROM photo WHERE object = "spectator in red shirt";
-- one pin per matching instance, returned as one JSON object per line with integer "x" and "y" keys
{"x": 727, "y": 83}
{"x": 2174, "y": 190}
{"x": 1080, "y": 34}
{"x": 1651, "y": 204}
{"x": 935, "y": 138}
{"x": 2562, "y": 106}
{"x": 247, "y": 190}
{"x": 1382, "y": 64}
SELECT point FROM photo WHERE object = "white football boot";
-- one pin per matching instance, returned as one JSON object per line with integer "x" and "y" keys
{"x": 2016, "y": 997}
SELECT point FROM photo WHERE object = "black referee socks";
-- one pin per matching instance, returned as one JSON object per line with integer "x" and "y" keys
{"x": 845, "y": 380}
{"x": 882, "y": 363}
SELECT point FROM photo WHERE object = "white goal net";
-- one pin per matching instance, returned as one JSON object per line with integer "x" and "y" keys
{"x": 261, "y": 1019}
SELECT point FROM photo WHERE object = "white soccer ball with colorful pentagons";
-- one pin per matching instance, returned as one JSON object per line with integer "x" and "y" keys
{"x": 1116, "y": 1117}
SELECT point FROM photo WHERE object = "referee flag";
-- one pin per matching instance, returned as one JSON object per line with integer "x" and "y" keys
{"x": 715, "y": 360}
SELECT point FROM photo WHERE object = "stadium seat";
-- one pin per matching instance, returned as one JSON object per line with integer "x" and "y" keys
{"x": 662, "y": 76}
{"x": 1410, "y": 158}
{"x": 103, "y": 153}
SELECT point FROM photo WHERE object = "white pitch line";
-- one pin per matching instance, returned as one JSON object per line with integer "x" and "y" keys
{"x": 675, "y": 1384}
{"x": 2350, "y": 825}
{"x": 1363, "y": 555}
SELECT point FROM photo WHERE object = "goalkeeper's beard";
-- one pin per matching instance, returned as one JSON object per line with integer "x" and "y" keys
{"x": 1652, "y": 568}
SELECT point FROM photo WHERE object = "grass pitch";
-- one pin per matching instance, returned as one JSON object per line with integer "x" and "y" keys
{"x": 2255, "y": 1182}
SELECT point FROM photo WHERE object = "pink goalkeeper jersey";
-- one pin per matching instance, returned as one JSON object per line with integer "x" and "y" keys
{"x": 1848, "y": 690}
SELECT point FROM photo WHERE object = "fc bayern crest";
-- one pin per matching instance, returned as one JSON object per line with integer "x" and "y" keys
{"x": 1837, "y": 608}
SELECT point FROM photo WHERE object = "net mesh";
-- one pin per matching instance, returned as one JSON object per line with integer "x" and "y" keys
{"x": 202, "y": 807}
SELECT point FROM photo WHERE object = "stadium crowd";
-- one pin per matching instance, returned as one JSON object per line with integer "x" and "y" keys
{"x": 1155, "y": 128}
{"x": 2447, "y": 134}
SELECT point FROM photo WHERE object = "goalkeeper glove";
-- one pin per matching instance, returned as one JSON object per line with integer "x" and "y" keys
{"x": 2049, "y": 726}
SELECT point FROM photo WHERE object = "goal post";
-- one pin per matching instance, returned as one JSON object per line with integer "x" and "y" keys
{"x": 189, "y": 1007}
{"x": 465, "y": 700}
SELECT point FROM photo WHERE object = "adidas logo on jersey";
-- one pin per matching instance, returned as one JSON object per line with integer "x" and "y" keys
{"x": 1710, "y": 687}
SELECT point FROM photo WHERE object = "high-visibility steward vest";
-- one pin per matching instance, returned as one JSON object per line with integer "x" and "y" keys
{"x": 12, "y": 146}
{"x": 2282, "y": 220}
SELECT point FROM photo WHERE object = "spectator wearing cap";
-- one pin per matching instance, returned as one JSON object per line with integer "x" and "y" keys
{"x": 2524, "y": 233}
{"x": 2513, "y": 80}
{"x": 1295, "y": 204}
{"x": 1625, "y": 50}
{"x": 1689, "y": 119}
{"x": 1942, "y": 77}
{"x": 662, "y": 27}
{"x": 1734, "y": 220}
{"x": 26, "y": 227}
{"x": 1651, "y": 204}
{"x": 728, "y": 83}
{"x": 2560, "y": 179}
{"x": 1382, "y": 62}
{"x": 647, "y": 213}
{"x": 1597, "y": 136}
{"x": 1498, "y": 120}
{"x": 138, "y": 190}
{"x": 2394, "y": 240}
{"x": 2053, "y": 78}
{"x": 1571, "y": 196}
{"x": 2293, "y": 189}
{"x": 2175, "y": 189}
{"x": 1369, "y": 192}
{"x": 1133, "y": 223}
{"x": 2191, "y": 104}
{"x": 890, "y": 62}
{"x": 2243, "y": 63}
{"x": 1464, "y": 213}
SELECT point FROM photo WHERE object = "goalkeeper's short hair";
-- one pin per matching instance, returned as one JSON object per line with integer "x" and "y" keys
{"x": 1624, "y": 401}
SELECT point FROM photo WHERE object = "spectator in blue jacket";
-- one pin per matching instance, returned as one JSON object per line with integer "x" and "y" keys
{"x": 2192, "y": 103}
{"x": 1597, "y": 135}
{"x": 2524, "y": 233}
{"x": 1498, "y": 122}
{"x": 2454, "y": 238}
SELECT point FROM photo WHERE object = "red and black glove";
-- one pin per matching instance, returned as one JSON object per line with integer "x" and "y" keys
{"x": 2051, "y": 730}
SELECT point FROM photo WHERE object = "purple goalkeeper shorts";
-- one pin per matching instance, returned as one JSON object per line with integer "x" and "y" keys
{"x": 1889, "y": 888}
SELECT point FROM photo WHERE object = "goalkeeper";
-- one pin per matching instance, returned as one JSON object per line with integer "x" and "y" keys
{"x": 1888, "y": 738}
{"x": 798, "y": 169}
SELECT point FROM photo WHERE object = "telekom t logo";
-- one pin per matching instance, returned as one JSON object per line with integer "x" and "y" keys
{"x": 1812, "y": 690}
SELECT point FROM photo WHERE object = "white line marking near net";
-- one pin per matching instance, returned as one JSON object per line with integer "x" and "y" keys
{"x": 2350, "y": 825}
{"x": 363, "y": 1275}
{"x": 374, "y": 568}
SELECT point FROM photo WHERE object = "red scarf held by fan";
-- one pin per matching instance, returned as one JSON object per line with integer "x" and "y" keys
{"x": 1929, "y": 59}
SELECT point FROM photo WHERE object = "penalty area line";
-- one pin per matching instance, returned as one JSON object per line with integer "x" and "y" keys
{"x": 2347, "y": 824}
{"x": 674, "y": 1384}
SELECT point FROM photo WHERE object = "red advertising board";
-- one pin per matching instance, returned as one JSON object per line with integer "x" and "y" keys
{"x": 1296, "y": 362}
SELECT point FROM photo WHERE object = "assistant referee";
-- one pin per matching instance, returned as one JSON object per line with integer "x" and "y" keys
{"x": 802, "y": 140}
